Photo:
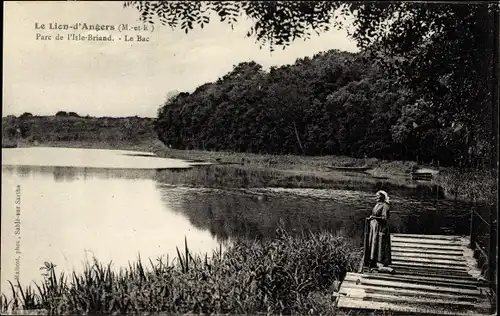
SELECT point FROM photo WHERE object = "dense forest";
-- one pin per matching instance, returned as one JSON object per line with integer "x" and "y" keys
{"x": 335, "y": 103}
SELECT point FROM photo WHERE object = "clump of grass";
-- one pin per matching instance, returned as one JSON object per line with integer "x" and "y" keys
{"x": 286, "y": 275}
{"x": 477, "y": 186}
{"x": 31, "y": 299}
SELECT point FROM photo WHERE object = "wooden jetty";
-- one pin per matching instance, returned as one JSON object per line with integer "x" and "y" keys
{"x": 432, "y": 275}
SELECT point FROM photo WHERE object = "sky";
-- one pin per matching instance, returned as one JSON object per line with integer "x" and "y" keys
{"x": 122, "y": 78}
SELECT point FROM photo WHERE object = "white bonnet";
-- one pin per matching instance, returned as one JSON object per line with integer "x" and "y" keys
{"x": 386, "y": 196}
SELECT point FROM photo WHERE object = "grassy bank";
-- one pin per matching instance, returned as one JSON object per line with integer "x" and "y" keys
{"x": 287, "y": 162}
{"x": 289, "y": 171}
{"x": 286, "y": 275}
{"x": 236, "y": 176}
{"x": 479, "y": 186}
{"x": 244, "y": 169}
{"x": 110, "y": 131}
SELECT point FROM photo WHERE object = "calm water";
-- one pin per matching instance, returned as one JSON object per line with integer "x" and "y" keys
{"x": 67, "y": 214}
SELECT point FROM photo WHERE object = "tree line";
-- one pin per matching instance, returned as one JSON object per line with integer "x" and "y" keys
{"x": 444, "y": 53}
{"x": 335, "y": 103}
{"x": 69, "y": 127}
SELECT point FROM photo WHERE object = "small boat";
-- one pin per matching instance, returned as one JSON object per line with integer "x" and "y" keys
{"x": 420, "y": 176}
{"x": 380, "y": 177}
{"x": 354, "y": 169}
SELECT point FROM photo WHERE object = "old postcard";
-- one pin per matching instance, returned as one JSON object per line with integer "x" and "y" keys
{"x": 250, "y": 157}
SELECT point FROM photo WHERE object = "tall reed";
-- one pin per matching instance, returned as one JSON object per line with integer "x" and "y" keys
{"x": 286, "y": 275}
{"x": 477, "y": 186}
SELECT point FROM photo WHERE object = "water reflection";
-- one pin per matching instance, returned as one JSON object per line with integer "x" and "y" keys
{"x": 82, "y": 157}
{"x": 68, "y": 215}
{"x": 255, "y": 213}
{"x": 67, "y": 174}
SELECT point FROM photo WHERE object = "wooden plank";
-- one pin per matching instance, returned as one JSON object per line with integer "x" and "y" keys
{"x": 360, "y": 278}
{"x": 425, "y": 280}
{"x": 444, "y": 237}
{"x": 429, "y": 265}
{"x": 376, "y": 289}
{"x": 396, "y": 243}
{"x": 349, "y": 286}
{"x": 426, "y": 241}
{"x": 429, "y": 260}
{"x": 353, "y": 303}
{"x": 426, "y": 246}
{"x": 395, "y": 284}
{"x": 457, "y": 241}
{"x": 427, "y": 255}
{"x": 429, "y": 277}
{"x": 432, "y": 274}
{"x": 407, "y": 284}
{"x": 362, "y": 294}
{"x": 450, "y": 253}
{"x": 405, "y": 269}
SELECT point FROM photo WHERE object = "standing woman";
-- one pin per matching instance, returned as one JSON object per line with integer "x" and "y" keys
{"x": 379, "y": 239}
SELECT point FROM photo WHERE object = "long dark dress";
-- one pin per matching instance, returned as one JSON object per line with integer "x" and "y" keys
{"x": 379, "y": 240}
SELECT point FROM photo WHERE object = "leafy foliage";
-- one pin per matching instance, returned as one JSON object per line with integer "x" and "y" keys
{"x": 277, "y": 23}
{"x": 442, "y": 52}
{"x": 335, "y": 103}
{"x": 26, "y": 115}
{"x": 445, "y": 54}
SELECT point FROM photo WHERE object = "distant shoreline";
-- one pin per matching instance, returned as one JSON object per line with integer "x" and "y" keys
{"x": 308, "y": 172}
{"x": 293, "y": 171}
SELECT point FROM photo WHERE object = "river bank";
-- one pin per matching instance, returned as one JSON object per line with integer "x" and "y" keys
{"x": 233, "y": 169}
{"x": 289, "y": 171}
{"x": 189, "y": 271}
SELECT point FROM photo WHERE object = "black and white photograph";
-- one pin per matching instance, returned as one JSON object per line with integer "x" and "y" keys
{"x": 249, "y": 158}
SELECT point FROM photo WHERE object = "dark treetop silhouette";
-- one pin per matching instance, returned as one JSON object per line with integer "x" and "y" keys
{"x": 442, "y": 52}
